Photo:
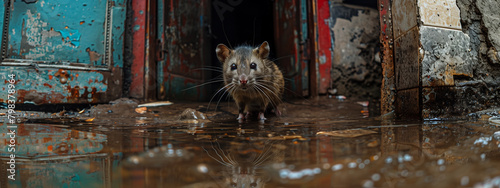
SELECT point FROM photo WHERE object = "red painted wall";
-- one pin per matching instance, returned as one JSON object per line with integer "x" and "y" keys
{"x": 139, "y": 39}
{"x": 325, "y": 46}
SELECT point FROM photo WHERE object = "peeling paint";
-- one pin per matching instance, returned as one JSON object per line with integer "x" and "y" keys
{"x": 388, "y": 88}
{"x": 54, "y": 53}
{"x": 48, "y": 31}
{"x": 290, "y": 36}
{"x": 71, "y": 36}
{"x": 57, "y": 86}
{"x": 186, "y": 43}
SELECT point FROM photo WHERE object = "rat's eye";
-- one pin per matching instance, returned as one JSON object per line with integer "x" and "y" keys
{"x": 233, "y": 66}
{"x": 253, "y": 66}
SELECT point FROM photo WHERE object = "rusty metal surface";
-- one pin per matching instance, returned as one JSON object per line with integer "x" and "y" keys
{"x": 408, "y": 103}
{"x": 313, "y": 48}
{"x": 151, "y": 51}
{"x": 406, "y": 60}
{"x": 404, "y": 16}
{"x": 160, "y": 49}
{"x": 138, "y": 39}
{"x": 187, "y": 50}
{"x": 47, "y": 32}
{"x": 63, "y": 52}
{"x": 325, "y": 45}
{"x": 304, "y": 41}
{"x": 388, "y": 88}
{"x": 290, "y": 37}
{"x": 45, "y": 86}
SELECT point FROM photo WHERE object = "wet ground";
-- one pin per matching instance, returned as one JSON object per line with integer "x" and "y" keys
{"x": 317, "y": 143}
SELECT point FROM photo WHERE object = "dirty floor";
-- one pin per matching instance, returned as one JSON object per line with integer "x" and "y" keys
{"x": 328, "y": 142}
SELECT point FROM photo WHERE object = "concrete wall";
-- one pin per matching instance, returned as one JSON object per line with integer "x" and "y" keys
{"x": 446, "y": 61}
{"x": 356, "y": 70}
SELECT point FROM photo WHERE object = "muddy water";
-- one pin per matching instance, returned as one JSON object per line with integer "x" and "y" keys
{"x": 325, "y": 143}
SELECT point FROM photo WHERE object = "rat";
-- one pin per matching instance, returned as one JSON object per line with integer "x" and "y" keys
{"x": 254, "y": 82}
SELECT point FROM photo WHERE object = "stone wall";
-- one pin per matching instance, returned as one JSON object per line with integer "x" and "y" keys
{"x": 446, "y": 57}
{"x": 356, "y": 69}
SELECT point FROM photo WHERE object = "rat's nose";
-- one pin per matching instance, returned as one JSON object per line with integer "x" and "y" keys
{"x": 243, "y": 82}
{"x": 243, "y": 79}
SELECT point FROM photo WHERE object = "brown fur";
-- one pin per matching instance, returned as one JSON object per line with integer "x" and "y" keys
{"x": 265, "y": 83}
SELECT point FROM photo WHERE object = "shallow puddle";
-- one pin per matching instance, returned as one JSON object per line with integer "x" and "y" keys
{"x": 332, "y": 144}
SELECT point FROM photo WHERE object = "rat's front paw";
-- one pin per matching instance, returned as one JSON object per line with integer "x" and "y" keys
{"x": 261, "y": 116}
{"x": 241, "y": 117}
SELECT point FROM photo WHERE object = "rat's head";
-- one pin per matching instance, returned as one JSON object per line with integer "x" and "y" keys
{"x": 243, "y": 66}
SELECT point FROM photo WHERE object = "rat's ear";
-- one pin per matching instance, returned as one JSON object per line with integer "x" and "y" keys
{"x": 263, "y": 50}
{"x": 223, "y": 52}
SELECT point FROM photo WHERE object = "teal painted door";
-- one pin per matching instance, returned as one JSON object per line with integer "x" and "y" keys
{"x": 62, "y": 51}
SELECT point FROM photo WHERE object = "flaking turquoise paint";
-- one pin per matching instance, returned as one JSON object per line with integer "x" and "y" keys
{"x": 62, "y": 31}
{"x": 2, "y": 13}
{"x": 49, "y": 88}
{"x": 49, "y": 30}
{"x": 118, "y": 32}
{"x": 160, "y": 61}
{"x": 304, "y": 38}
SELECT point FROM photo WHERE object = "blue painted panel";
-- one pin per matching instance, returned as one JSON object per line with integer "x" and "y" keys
{"x": 58, "y": 30}
{"x": 2, "y": 13}
{"x": 118, "y": 32}
{"x": 44, "y": 86}
{"x": 68, "y": 40}
{"x": 304, "y": 63}
{"x": 161, "y": 60}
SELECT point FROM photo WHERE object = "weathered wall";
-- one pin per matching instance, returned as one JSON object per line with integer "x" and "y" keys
{"x": 446, "y": 57}
{"x": 356, "y": 69}
{"x": 62, "y": 52}
{"x": 460, "y": 63}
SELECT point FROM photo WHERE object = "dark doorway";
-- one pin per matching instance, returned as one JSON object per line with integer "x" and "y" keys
{"x": 239, "y": 22}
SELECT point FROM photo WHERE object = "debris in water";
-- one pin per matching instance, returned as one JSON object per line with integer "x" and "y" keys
{"x": 483, "y": 141}
{"x": 341, "y": 97}
{"x": 190, "y": 113}
{"x": 351, "y": 133}
{"x": 494, "y": 120}
{"x": 364, "y": 103}
{"x": 496, "y": 135}
{"x": 141, "y": 110}
{"x": 156, "y": 104}
{"x": 159, "y": 157}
